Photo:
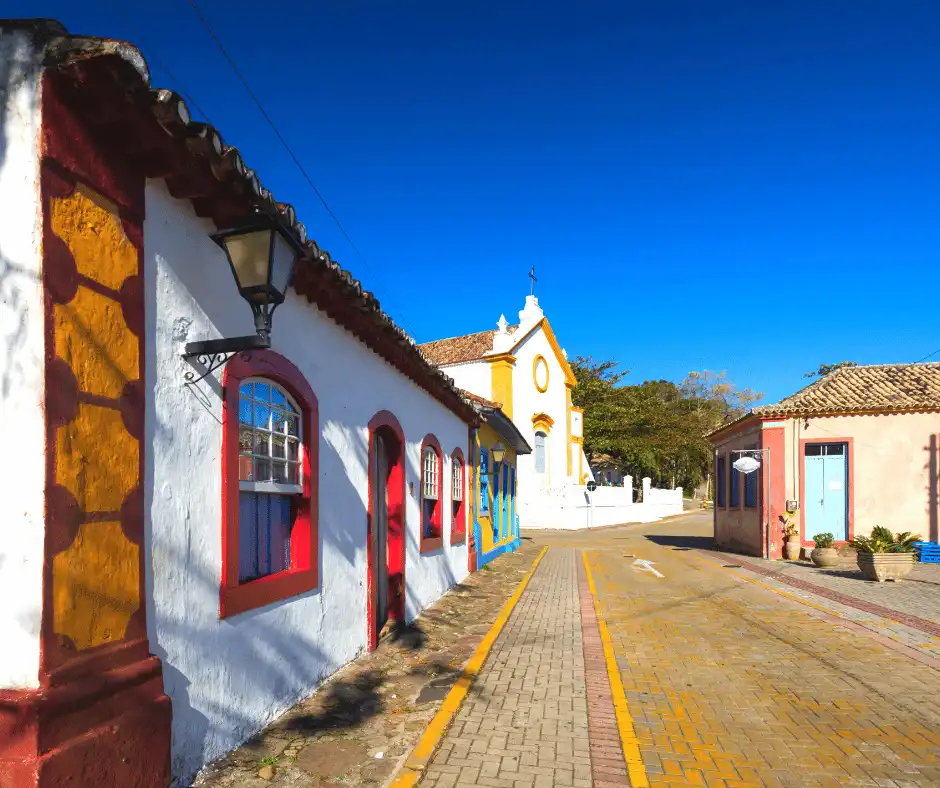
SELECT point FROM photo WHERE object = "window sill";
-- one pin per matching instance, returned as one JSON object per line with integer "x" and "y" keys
{"x": 458, "y": 538}
{"x": 265, "y": 591}
{"x": 431, "y": 544}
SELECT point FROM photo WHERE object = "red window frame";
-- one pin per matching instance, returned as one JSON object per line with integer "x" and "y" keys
{"x": 436, "y": 540}
{"x": 303, "y": 575}
{"x": 458, "y": 534}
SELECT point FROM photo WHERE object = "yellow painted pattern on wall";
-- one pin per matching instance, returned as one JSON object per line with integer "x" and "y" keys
{"x": 96, "y": 459}
{"x": 88, "y": 315}
{"x": 95, "y": 580}
{"x": 487, "y": 437}
{"x": 92, "y": 230}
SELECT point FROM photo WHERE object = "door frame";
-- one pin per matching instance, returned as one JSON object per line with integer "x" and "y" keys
{"x": 394, "y": 435}
{"x": 806, "y": 541}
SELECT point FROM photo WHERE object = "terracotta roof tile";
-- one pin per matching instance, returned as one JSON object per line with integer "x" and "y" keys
{"x": 458, "y": 350}
{"x": 878, "y": 387}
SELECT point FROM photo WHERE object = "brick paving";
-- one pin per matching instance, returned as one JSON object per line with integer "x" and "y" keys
{"x": 525, "y": 723}
{"x": 732, "y": 685}
{"x": 914, "y": 601}
{"x": 381, "y": 702}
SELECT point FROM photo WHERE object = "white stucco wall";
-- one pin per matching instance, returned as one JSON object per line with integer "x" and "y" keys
{"x": 529, "y": 401}
{"x": 229, "y": 678}
{"x": 22, "y": 465}
{"x": 475, "y": 377}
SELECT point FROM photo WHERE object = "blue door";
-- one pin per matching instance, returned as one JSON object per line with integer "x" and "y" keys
{"x": 825, "y": 479}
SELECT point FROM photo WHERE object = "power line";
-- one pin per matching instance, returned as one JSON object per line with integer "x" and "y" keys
{"x": 164, "y": 66}
{"x": 287, "y": 147}
{"x": 929, "y": 355}
{"x": 274, "y": 128}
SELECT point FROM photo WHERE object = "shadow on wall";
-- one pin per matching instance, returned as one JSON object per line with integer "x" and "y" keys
{"x": 932, "y": 492}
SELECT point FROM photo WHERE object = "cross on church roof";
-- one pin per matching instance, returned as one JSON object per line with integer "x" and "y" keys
{"x": 534, "y": 280}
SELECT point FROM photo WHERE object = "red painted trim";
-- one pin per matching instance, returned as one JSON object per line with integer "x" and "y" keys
{"x": 775, "y": 476}
{"x": 472, "y": 491}
{"x": 303, "y": 576}
{"x": 431, "y": 543}
{"x": 394, "y": 436}
{"x": 850, "y": 489}
{"x": 458, "y": 534}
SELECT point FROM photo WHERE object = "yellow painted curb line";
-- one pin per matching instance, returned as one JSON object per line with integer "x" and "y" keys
{"x": 628, "y": 740}
{"x": 420, "y": 756}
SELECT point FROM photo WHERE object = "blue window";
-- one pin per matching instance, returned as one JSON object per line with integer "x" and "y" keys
{"x": 735, "y": 488}
{"x": 513, "y": 527}
{"x": 750, "y": 489}
{"x": 507, "y": 492}
{"x": 497, "y": 504}
{"x": 484, "y": 481}
{"x": 721, "y": 483}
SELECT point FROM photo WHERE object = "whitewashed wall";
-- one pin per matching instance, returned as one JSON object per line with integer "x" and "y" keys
{"x": 573, "y": 507}
{"x": 228, "y": 678}
{"x": 22, "y": 432}
{"x": 528, "y": 401}
{"x": 476, "y": 376}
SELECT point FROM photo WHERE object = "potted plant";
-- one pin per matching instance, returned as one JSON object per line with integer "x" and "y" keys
{"x": 825, "y": 555}
{"x": 791, "y": 535}
{"x": 884, "y": 556}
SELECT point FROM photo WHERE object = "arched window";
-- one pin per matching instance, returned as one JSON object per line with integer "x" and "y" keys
{"x": 432, "y": 533}
{"x": 458, "y": 483}
{"x": 269, "y": 457}
{"x": 269, "y": 452}
{"x": 541, "y": 459}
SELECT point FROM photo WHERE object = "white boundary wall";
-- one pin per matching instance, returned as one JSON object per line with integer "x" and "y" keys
{"x": 574, "y": 507}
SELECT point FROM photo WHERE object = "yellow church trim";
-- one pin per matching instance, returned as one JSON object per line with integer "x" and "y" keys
{"x": 535, "y": 373}
{"x": 570, "y": 379}
{"x": 544, "y": 421}
{"x": 501, "y": 371}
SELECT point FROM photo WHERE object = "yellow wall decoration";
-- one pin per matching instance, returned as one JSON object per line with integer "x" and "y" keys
{"x": 96, "y": 579}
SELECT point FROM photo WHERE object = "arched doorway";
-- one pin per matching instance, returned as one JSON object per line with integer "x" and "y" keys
{"x": 386, "y": 525}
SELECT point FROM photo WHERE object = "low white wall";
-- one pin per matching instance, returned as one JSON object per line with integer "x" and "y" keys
{"x": 22, "y": 346}
{"x": 228, "y": 678}
{"x": 574, "y": 507}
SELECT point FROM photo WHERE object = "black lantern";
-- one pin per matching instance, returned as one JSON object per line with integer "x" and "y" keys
{"x": 262, "y": 253}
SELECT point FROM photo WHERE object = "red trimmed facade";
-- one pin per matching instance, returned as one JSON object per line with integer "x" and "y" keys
{"x": 303, "y": 575}
{"x": 460, "y": 508}
{"x": 436, "y": 540}
{"x": 385, "y": 423}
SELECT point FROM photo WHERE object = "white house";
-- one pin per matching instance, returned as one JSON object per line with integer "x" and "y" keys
{"x": 197, "y": 536}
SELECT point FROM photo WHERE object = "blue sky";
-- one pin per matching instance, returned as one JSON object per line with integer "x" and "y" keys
{"x": 749, "y": 186}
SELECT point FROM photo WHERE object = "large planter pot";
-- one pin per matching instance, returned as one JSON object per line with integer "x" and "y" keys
{"x": 885, "y": 566}
{"x": 825, "y": 557}
{"x": 791, "y": 548}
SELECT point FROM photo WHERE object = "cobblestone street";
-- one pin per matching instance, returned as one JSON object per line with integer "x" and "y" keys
{"x": 636, "y": 656}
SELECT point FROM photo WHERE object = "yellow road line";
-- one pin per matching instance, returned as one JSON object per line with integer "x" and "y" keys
{"x": 420, "y": 756}
{"x": 628, "y": 740}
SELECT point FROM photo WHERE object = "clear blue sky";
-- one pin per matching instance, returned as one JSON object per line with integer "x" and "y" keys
{"x": 750, "y": 186}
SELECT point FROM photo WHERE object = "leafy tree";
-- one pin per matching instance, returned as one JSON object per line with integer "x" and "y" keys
{"x": 825, "y": 369}
{"x": 657, "y": 428}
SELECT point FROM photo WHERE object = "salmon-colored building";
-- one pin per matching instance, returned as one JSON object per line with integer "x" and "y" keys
{"x": 855, "y": 449}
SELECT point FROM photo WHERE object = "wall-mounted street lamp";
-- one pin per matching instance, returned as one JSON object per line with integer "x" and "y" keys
{"x": 262, "y": 253}
{"x": 498, "y": 453}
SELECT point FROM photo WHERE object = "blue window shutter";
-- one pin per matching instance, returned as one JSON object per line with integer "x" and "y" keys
{"x": 484, "y": 481}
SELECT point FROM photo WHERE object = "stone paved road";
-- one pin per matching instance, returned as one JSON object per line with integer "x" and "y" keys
{"x": 732, "y": 685}
{"x": 728, "y": 684}
{"x": 525, "y": 724}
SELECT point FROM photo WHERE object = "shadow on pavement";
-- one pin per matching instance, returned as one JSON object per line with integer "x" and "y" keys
{"x": 698, "y": 542}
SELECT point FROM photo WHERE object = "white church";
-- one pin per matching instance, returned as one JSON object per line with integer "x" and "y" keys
{"x": 525, "y": 370}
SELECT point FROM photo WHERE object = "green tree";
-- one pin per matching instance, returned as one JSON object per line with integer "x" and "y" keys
{"x": 825, "y": 369}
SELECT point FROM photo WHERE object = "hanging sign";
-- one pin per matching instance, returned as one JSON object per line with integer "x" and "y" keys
{"x": 746, "y": 464}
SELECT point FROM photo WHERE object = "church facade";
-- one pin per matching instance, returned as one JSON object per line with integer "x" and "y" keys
{"x": 525, "y": 371}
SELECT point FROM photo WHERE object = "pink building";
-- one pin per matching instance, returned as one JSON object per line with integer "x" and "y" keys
{"x": 855, "y": 449}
